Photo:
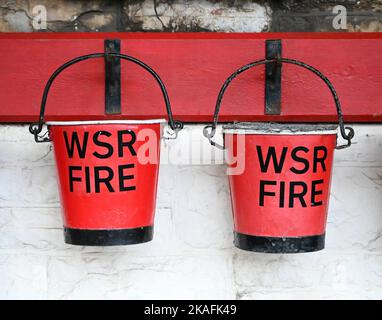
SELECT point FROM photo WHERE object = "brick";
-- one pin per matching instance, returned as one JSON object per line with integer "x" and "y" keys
{"x": 23, "y": 276}
{"x": 126, "y": 276}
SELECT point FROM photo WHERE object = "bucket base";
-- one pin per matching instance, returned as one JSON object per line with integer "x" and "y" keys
{"x": 112, "y": 237}
{"x": 279, "y": 245}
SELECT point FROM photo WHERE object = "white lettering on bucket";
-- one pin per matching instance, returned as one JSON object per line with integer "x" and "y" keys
{"x": 234, "y": 160}
{"x": 148, "y": 151}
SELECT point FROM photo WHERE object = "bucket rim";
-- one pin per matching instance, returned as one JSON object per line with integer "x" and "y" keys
{"x": 98, "y": 122}
{"x": 272, "y": 128}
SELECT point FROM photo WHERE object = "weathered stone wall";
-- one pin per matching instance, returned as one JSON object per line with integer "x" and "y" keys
{"x": 190, "y": 15}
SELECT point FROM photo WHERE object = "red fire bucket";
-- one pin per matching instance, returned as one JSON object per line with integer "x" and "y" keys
{"x": 279, "y": 176}
{"x": 107, "y": 172}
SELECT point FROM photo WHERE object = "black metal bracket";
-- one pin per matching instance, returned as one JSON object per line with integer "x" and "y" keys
{"x": 112, "y": 77}
{"x": 273, "y": 78}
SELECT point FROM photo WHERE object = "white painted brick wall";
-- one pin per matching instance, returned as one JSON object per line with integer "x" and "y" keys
{"x": 192, "y": 254}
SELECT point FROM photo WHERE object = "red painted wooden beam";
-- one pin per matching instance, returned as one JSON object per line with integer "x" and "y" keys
{"x": 193, "y": 67}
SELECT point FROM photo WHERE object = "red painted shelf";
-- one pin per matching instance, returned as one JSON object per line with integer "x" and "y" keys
{"x": 193, "y": 66}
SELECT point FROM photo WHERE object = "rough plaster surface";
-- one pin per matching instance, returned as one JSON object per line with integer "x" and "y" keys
{"x": 192, "y": 256}
{"x": 191, "y": 15}
{"x": 246, "y": 16}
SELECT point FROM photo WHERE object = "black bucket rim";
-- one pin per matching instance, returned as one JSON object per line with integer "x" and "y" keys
{"x": 108, "y": 237}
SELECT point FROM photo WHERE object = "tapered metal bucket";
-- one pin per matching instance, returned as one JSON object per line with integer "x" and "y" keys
{"x": 107, "y": 170}
{"x": 280, "y": 201}
{"x": 280, "y": 193}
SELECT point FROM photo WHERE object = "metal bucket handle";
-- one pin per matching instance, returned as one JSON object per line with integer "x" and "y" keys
{"x": 36, "y": 128}
{"x": 210, "y": 135}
